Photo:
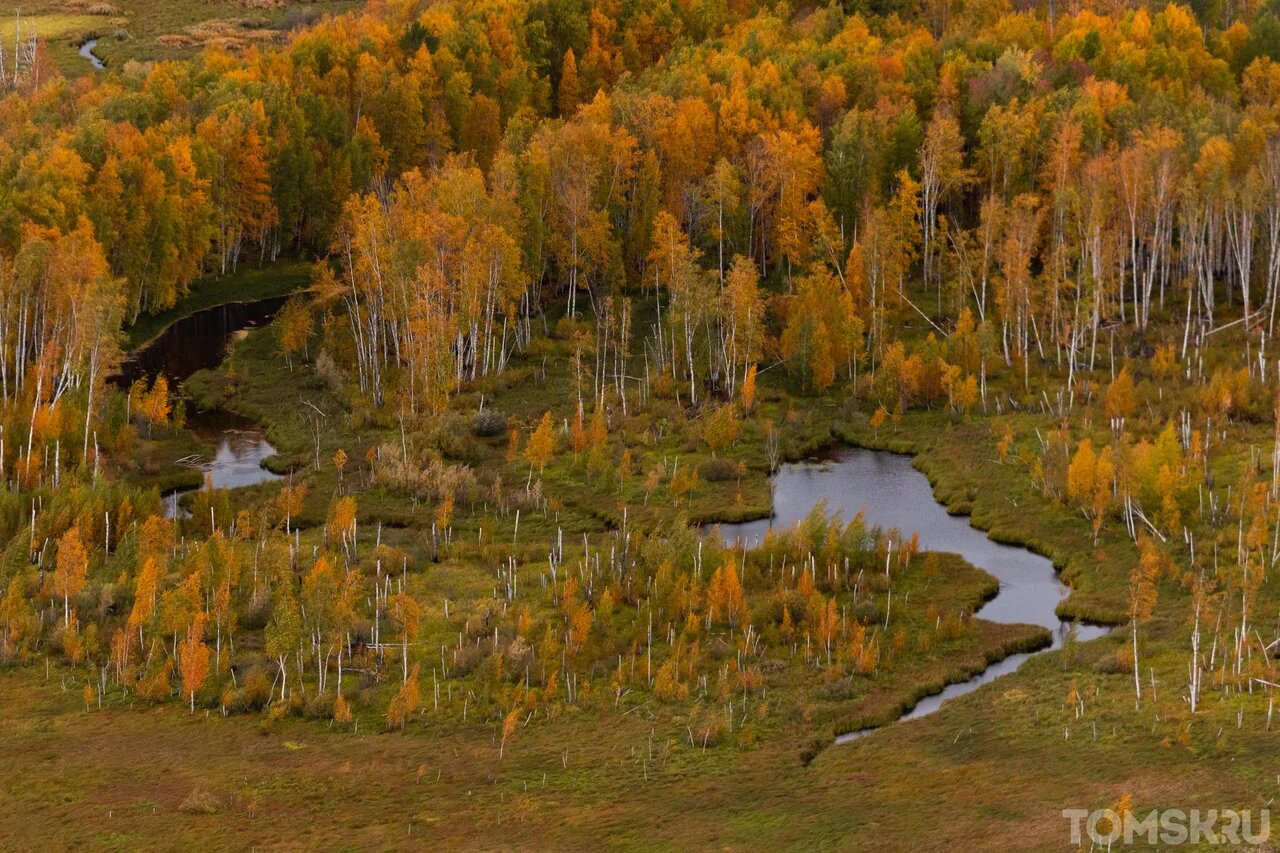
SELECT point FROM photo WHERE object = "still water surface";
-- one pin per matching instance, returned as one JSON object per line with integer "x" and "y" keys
{"x": 196, "y": 343}
{"x": 891, "y": 493}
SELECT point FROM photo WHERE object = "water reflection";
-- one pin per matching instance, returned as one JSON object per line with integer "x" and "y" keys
{"x": 891, "y": 493}
{"x": 86, "y": 51}
{"x": 241, "y": 447}
{"x": 196, "y": 343}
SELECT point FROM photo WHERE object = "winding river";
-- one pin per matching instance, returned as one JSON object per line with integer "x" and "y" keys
{"x": 86, "y": 51}
{"x": 885, "y": 486}
{"x": 892, "y": 493}
{"x": 195, "y": 343}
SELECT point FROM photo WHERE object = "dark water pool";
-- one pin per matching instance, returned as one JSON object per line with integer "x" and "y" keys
{"x": 196, "y": 343}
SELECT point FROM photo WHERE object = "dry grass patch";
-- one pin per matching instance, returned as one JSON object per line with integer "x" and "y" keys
{"x": 91, "y": 7}
{"x": 200, "y": 801}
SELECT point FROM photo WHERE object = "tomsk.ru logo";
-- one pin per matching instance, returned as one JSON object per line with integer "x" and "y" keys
{"x": 1169, "y": 826}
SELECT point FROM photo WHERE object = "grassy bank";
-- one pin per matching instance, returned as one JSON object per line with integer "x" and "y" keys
{"x": 992, "y": 770}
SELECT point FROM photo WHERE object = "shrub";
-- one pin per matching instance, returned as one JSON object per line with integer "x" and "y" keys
{"x": 255, "y": 693}
{"x": 814, "y": 748}
{"x": 467, "y": 659}
{"x": 256, "y": 614}
{"x": 319, "y": 706}
{"x": 489, "y": 424}
{"x": 719, "y": 469}
{"x": 840, "y": 690}
{"x": 867, "y": 612}
{"x": 200, "y": 802}
{"x": 452, "y": 437}
{"x": 327, "y": 369}
{"x": 706, "y": 727}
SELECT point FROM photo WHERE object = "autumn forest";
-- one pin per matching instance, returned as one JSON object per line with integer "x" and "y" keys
{"x": 394, "y": 397}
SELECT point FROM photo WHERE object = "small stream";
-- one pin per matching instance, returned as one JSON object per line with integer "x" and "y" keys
{"x": 199, "y": 342}
{"x": 86, "y": 51}
{"x": 891, "y": 493}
